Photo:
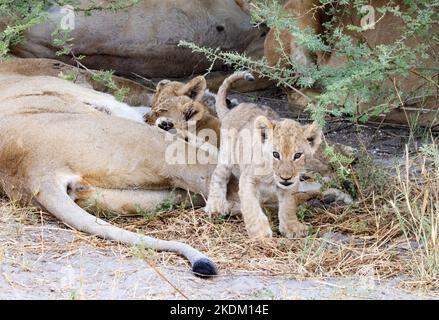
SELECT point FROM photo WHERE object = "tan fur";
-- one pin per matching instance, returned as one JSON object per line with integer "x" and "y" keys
{"x": 270, "y": 134}
{"x": 56, "y": 149}
{"x": 51, "y": 86}
{"x": 166, "y": 89}
{"x": 244, "y": 5}
{"x": 301, "y": 10}
{"x": 138, "y": 94}
{"x": 180, "y": 103}
{"x": 216, "y": 78}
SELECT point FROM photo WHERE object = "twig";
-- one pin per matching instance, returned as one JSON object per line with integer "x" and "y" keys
{"x": 166, "y": 279}
{"x": 425, "y": 78}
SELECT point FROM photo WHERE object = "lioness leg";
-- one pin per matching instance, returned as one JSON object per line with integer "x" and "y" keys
{"x": 256, "y": 222}
{"x": 124, "y": 201}
{"x": 217, "y": 200}
{"x": 289, "y": 225}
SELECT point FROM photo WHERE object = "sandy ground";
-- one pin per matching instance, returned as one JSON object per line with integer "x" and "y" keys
{"x": 49, "y": 261}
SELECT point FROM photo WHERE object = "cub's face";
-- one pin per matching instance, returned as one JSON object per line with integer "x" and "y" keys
{"x": 288, "y": 145}
{"x": 176, "y": 105}
{"x": 176, "y": 113}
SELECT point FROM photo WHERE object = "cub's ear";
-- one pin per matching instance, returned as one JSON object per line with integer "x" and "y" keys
{"x": 313, "y": 133}
{"x": 194, "y": 112}
{"x": 161, "y": 84}
{"x": 264, "y": 126}
{"x": 194, "y": 89}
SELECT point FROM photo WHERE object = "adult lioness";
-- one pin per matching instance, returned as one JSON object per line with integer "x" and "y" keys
{"x": 55, "y": 149}
{"x": 143, "y": 37}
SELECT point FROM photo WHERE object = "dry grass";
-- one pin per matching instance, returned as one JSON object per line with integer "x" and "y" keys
{"x": 416, "y": 204}
{"x": 393, "y": 232}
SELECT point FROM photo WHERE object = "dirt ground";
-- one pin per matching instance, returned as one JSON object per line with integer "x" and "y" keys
{"x": 50, "y": 261}
{"x": 43, "y": 259}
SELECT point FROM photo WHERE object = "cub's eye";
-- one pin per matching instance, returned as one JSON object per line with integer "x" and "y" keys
{"x": 276, "y": 155}
{"x": 189, "y": 114}
{"x": 297, "y": 155}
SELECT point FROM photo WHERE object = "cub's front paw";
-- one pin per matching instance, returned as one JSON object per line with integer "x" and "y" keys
{"x": 297, "y": 230}
{"x": 260, "y": 229}
{"x": 217, "y": 206}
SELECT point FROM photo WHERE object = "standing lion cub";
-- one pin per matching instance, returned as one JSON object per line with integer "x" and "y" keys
{"x": 269, "y": 154}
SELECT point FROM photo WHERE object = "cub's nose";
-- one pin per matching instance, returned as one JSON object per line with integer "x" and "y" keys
{"x": 166, "y": 125}
{"x": 286, "y": 181}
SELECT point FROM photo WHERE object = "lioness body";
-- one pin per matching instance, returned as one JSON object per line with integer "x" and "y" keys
{"x": 56, "y": 149}
{"x": 139, "y": 95}
{"x": 143, "y": 37}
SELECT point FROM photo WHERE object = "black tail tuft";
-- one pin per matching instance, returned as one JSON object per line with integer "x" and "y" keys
{"x": 204, "y": 268}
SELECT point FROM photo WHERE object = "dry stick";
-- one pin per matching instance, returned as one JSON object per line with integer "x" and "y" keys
{"x": 166, "y": 279}
{"x": 146, "y": 79}
{"x": 378, "y": 128}
{"x": 42, "y": 232}
{"x": 194, "y": 221}
{"x": 402, "y": 103}
{"x": 80, "y": 65}
{"x": 357, "y": 184}
{"x": 424, "y": 77}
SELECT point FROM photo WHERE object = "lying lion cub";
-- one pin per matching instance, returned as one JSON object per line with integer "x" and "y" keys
{"x": 58, "y": 152}
{"x": 177, "y": 106}
{"x": 269, "y": 154}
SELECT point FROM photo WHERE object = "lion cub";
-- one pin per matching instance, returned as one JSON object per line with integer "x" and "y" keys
{"x": 269, "y": 154}
{"x": 177, "y": 106}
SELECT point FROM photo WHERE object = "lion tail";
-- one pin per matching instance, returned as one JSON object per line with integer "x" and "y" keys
{"x": 54, "y": 198}
{"x": 221, "y": 98}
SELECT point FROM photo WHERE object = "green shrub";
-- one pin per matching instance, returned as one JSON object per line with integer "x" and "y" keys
{"x": 360, "y": 80}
